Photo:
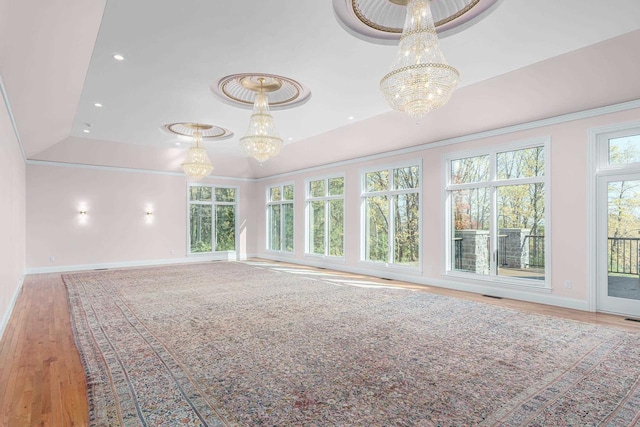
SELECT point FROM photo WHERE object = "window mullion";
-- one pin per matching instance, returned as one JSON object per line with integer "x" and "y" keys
{"x": 326, "y": 227}
{"x": 392, "y": 225}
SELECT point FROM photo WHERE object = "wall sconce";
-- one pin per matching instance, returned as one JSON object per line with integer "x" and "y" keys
{"x": 149, "y": 213}
{"x": 83, "y": 212}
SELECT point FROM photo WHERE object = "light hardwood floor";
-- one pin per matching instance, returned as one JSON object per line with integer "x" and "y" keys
{"x": 42, "y": 380}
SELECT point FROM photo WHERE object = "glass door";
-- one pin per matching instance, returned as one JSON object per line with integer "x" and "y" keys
{"x": 619, "y": 244}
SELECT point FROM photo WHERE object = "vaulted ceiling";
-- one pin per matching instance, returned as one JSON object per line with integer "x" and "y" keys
{"x": 523, "y": 61}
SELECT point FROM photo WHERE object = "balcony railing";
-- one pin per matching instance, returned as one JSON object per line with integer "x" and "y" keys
{"x": 623, "y": 255}
{"x": 536, "y": 250}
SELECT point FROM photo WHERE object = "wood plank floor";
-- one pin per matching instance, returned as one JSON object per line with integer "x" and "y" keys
{"x": 42, "y": 381}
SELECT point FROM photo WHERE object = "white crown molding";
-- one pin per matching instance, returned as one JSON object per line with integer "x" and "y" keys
{"x": 580, "y": 115}
{"x": 127, "y": 170}
{"x": 7, "y": 104}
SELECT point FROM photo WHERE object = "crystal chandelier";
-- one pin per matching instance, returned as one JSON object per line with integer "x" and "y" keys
{"x": 262, "y": 140}
{"x": 197, "y": 164}
{"x": 419, "y": 80}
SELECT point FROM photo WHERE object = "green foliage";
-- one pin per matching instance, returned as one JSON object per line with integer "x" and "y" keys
{"x": 287, "y": 235}
{"x": 200, "y": 228}
{"x": 516, "y": 206}
{"x": 275, "y": 222}
{"x": 316, "y": 188}
{"x": 206, "y": 232}
{"x": 377, "y": 228}
{"x": 377, "y": 181}
{"x": 317, "y": 227}
{"x": 336, "y": 227}
{"x": 225, "y": 228}
{"x": 200, "y": 193}
{"x": 225, "y": 194}
{"x": 623, "y": 221}
{"x": 275, "y": 194}
{"x": 406, "y": 235}
{"x": 405, "y": 209}
{"x": 336, "y": 186}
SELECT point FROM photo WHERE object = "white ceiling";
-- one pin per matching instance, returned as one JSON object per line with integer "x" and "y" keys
{"x": 175, "y": 50}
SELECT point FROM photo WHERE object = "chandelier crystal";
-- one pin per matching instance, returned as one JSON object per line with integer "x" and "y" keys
{"x": 419, "y": 80}
{"x": 197, "y": 164}
{"x": 262, "y": 140}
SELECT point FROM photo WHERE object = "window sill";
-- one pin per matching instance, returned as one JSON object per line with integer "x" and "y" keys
{"x": 541, "y": 286}
{"x": 396, "y": 268}
{"x": 327, "y": 258}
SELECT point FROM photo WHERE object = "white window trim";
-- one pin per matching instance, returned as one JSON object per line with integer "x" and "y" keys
{"x": 597, "y": 167}
{"x": 325, "y": 199}
{"x": 267, "y": 218}
{"x": 407, "y": 269}
{"x": 213, "y": 203}
{"x": 602, "y": 137}
{"x": 499, "y": 281}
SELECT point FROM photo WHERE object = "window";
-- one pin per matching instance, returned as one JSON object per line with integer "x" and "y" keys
{"x": 212, "y": 218}
{"x": 280, "y": 218}
{"x": 325, "y": 217}
{"x": 497, "y": 213}
{"x": 391, "y": 212}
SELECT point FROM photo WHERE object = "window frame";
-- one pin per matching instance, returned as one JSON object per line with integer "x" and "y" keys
{"x": 325, "y": 199}
{"x": 390, "y": 264}
{"x": 280, "y": 202}
{"x": 493, "y": 184}
{"x": 213, "y": 203}
{"x": 602, "y": 153}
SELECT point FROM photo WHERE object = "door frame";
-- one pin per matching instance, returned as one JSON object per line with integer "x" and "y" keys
{"x": 598, "y": 167}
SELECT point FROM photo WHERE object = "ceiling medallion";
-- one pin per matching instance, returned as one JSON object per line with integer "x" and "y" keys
{"x": 206, "y": 131}
{"x": 240, "y": 90}
{"x": 381, "y": 21}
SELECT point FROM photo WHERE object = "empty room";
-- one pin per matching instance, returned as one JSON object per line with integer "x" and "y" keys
{"x": 319, "y": 213}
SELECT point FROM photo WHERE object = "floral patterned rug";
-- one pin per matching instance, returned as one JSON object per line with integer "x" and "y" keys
{"x": 258, "y": 344}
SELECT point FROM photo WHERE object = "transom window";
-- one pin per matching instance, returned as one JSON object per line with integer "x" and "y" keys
{"x": 325, "y": 217}
{"x": 280, "y": 218}
{"x": 391, "y": 215}
{"x": 212, "y": 218}
{"x": 497, "y": 213}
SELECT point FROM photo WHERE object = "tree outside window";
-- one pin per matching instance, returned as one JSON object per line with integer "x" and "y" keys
{"x": 212, "y": 218}
{"x": 280, "y": 234}
{"x": 325, "y": 217}
{"x": 391, "y": 211}
{"x": 497, "y": 205}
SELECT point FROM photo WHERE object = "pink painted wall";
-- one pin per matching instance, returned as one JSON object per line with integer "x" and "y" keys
{"x": 569, "y": 212}
{"x": 116, "y": 228}
{"x": 12, "y": 219}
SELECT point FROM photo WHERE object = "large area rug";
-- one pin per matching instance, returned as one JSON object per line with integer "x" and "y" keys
{"x": 252, "y": 344}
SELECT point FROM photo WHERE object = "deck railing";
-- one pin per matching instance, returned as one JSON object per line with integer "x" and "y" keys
{"x": 623, "y": 255}
{"x": 536, "y": 250}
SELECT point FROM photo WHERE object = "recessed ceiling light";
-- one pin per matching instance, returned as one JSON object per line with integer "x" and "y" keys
{"x": 290, "y": 139}
{"x": 118, "y": 57}
{"x": 97, "y": 104}
{"x": 177, "y": 143}
{"x": 350, "y": 118}
{"x": 86, "y": 131}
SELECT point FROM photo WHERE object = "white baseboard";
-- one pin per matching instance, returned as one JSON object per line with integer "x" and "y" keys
{"x": 12, "y": 304}
{"x": 540, "y": 296}
{"x": 227, "y": 256}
